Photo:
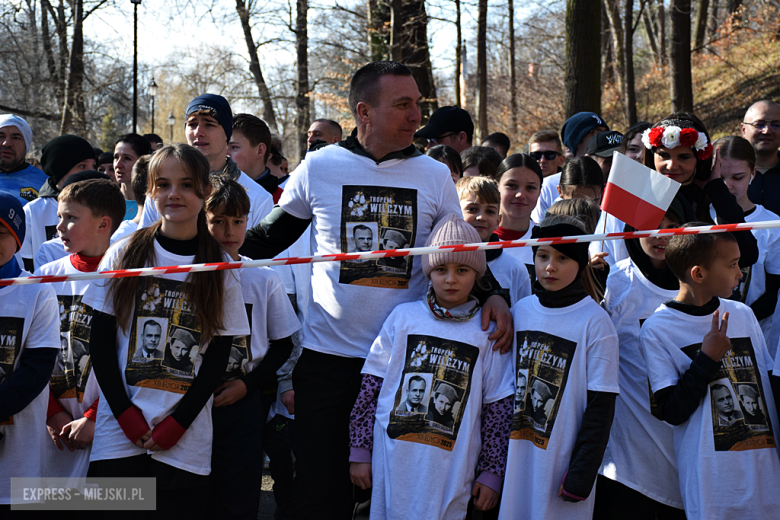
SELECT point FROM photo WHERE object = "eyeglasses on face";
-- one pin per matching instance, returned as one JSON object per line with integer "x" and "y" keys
{"x": 436, "y": 139}
{"x": 762, "y": 125}
{"x": 550, "y": 155}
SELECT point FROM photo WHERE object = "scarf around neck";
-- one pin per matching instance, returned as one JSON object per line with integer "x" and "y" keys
{"x": 463, "y": 312}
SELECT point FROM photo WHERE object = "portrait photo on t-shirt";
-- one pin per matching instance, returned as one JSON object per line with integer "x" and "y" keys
{"x": 751, "y": 404}
{"x": 444, "y": 405}
{"x": 181, "y": 349}
{"x": 521, "y": 389}
{"x": 541, "y": 399}
{"x": 151, "y": 339}
{"x": 393, "y": 238}
{"x": 415, "y": 393}
{"x": 362, "y": 237}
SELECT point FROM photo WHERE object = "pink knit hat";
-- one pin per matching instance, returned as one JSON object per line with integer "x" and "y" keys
{"x": 450, "y": 231}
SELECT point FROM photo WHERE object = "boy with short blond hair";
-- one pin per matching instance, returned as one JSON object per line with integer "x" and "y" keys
{"x": 479, "y": 203}
{"x": 89, "y": 212}
{"x": 237, "y": 456}
{"x": 695, "y": 368}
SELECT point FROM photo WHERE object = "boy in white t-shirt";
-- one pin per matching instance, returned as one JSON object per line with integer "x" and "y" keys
{"x": 89, "y": 212}
{"x": 480, "y": 203}
{"x": 28, "y": 350}
{"x": 728, "y": 466}
{"x": 238, "y": 414}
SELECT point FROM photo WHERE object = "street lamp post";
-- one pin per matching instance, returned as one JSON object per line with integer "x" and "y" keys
{"x": 135, "y": 63}
{"x": 152, "y": 92}
{"x": 171, "y": 122}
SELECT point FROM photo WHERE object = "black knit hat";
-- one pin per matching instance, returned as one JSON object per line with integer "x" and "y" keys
{"x": 84, "y": 175}
{"x": 63, "y": 153}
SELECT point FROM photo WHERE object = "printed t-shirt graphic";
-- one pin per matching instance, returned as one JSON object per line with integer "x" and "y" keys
{"x": 543, "y": 360}
{"x": 443, "y": 369}
{"x": 11, "y": 329}
{"x": 240, "y": 351}
{"x": 377, "y": 218}
{"x": 164, "y": 337}
{"x": 71, "y": 372}
{"x": 737, "y": 406}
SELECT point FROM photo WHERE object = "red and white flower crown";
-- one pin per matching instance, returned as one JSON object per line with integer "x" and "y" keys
{"x": 673, "y": 136}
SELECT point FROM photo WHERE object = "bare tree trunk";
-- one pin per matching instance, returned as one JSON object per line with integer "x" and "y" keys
{"x": 74, "y": 112}
{"x": 51, "y": 65}
{"x": 607, "y": 55}
{"x": 650, "y": 32}
{"x": 254, "y": 66}
{"x": 628, "y": 51}
{"x": 701, "y": 23}
{"x": 482, "y": 69}
{"x": 302, "y": 52}
{"x": 396, "y": 28}
{"x": 413, "y": 51}
{"x": 662, "y": 31}
{"x": 512, "y": 66}
{"x": 680, "y": 54}
{"x": 616, "y": 32}
{"x": 458, "y": 55}
{"x": 377, "y": 43}
{"x": 712, "y": 28}
{"x": 583, "y": 57}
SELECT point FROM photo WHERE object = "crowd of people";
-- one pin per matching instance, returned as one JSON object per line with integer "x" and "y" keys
{"x": 586, "y": 380}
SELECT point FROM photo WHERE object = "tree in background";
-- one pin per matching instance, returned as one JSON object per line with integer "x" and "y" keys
{"x": 583, "y": 57}
{"x": 680, "y": 56}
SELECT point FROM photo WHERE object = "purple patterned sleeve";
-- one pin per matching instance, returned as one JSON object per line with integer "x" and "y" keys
{"x": 496, "y": 423}
{"x": 361, "y": 421}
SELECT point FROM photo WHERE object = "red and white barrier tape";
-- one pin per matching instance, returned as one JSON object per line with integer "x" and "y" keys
{"x": 370, "y": 255}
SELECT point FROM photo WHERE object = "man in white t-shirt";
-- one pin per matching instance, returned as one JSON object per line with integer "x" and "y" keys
{"x": 377, "y": 178}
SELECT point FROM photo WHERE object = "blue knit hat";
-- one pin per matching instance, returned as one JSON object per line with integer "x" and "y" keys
{"x": 12, "y": 217}
{"x": 217, "y": 107}
{"x": 575, "y": 128}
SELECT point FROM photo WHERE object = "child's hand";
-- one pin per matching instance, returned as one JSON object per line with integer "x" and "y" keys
{"x": 55, "y": 424}
{"x": 485, "y": 498}
{"x": 597, "y": 261}
{"x": 288, "y": 400}
{"x": 152, "y": 446}
{"x": 360, "y": 474}
{"x": 716, "y": 343}
{"x": 229, "y": 392}
{"x": 144, "y": 438}
{"x": 79, "y": 432}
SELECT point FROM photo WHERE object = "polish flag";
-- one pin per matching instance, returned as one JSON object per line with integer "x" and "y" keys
{"x": 637, "y": 195}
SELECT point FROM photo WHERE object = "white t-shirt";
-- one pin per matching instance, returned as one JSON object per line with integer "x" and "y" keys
{"x": 297, "y": 277}
{"x": 640, "y": 453}
{"x": 560, "y": 354}
{"x": 50, "y": 251}
{"x": 41, "y": 225}
{"x": 616, "y": 248}
{"x": 127, "y": 227}
{"x": 524, "y": 254}
{"x": 155, "y": 383}
{"x": 271, "y": 316}
{"x": 727, "y": 461}
{"x": 424, "y": 460}
{"x": 546, "y": 197}
{"x": 398, "y": 200}
{"x": 512, "y": 275}
{"x": 72, "y": 381}
{"x": 28, "y": 319}
{"x": 261, "y": 204}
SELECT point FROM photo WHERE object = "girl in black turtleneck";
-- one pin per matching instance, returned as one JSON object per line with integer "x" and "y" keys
{"x": 640, "y": 454}
{"x": 567, "y": 348}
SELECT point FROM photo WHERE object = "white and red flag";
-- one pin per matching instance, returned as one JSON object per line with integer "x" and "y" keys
{"x": 637, "y": 195}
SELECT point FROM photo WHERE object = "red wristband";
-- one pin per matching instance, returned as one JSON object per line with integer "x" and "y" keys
{"x": 133, "y": 423}
{"x": 91, "y": 412}
{"x": 54, "y": 405}
{"x": 167, "y": 433}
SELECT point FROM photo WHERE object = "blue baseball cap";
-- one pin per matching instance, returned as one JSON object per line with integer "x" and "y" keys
{"x": 12, "y": 217}
{"x": 577, "y": 126}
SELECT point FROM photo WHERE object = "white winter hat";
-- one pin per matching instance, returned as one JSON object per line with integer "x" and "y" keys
{"x": 21, "y": 125}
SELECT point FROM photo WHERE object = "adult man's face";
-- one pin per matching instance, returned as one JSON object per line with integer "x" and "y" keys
{"x": 12, "y": 148}
{"x": 151, "y": 339}
{"x": 321, "y": 131}
{"x": 765, "y": 140}
{"x": 549, "y": 167}
{"x": 521, "y": 384}
{"x": 396, "y": 115}
{"x": 723, "y": 401}
{"x": 456, "y": 140}
{"x": 179, "y": 350}
{"x": 207, "y": 135}
{"x": 364, "y": 238}
{"x": 442, "y": 404}
{"x": 749, "y": 404}
{"x": 416, "y": 392}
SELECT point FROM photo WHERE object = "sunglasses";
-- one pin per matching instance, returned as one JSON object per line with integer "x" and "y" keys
{"x": 435, "y": 140}
{"x": 761, "y": 125}
{"x": 550, "y": 155}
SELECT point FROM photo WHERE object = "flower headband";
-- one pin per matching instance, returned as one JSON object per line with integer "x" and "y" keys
{"x": 672, "y": 136}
